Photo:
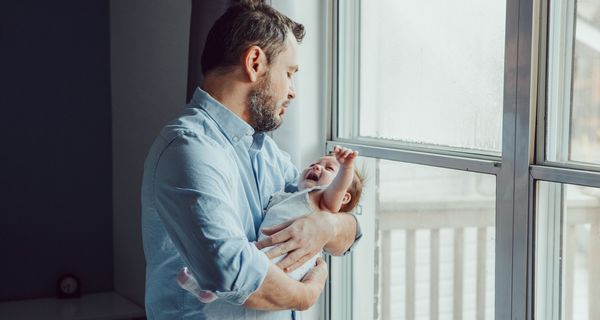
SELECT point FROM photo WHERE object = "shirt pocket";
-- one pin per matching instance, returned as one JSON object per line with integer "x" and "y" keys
{"x": 271, "y": 181}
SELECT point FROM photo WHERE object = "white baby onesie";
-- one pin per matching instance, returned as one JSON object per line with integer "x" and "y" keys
{"x": 282, "y": 207}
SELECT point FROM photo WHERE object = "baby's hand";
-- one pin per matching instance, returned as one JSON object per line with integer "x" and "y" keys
{"x": 345, "y": 156}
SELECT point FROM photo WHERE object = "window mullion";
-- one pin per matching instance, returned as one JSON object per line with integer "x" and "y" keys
{"x": 513, "y": 203}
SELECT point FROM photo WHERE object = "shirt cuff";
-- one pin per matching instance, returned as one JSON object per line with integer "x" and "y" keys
{"x": 356, "y": 237}
{"x": 255, "y": 268}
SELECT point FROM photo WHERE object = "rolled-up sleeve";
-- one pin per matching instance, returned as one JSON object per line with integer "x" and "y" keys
{"x": 195, "y": 192}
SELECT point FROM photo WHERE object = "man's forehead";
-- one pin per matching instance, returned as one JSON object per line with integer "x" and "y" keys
{"x": 288, "y": 56}
{"x": 291, "y": 41}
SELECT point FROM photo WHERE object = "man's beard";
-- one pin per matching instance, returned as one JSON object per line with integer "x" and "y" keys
{"x": 263, "y": 107}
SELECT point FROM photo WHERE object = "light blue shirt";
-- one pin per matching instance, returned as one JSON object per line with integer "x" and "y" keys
{"x": 207, "y": 180}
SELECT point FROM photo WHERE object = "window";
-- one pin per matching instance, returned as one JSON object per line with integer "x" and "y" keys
{"x": 479, "y": 128}
{"x": 573, "y": 120}
{"x": 413, "y": 60}
{"x": 436, "y": 242}
{"x": 568, "y": 254}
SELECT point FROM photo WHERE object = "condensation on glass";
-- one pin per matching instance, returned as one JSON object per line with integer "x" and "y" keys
{"x": 429, "y": 73}
{"x": 567, "y": 256}
{"x": 435, "y": 243}
{"x": 573, "y": 116}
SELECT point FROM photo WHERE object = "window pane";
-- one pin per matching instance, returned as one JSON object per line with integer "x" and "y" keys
{"x": 430, "y": 72}
{"x": 574, "y": 82}
{"x": 434, "y": 245}
{"x": 567, "y": 252}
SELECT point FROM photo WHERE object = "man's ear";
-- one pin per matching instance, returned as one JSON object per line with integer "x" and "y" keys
{"x": 255, "y": 63}
{"x": 347, "y": 198}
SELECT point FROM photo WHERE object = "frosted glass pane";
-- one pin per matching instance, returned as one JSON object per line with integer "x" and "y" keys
{"x": 431, "y": 72}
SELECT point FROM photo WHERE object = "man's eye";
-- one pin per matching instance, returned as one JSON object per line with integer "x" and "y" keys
{"x": 289, "y": 74}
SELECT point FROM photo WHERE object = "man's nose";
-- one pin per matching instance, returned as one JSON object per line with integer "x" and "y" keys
{"x": 291, "y": 91}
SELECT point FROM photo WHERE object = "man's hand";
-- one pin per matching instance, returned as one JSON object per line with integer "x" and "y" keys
{"x": 300, "y": 238}
{"x": 281, "y": 292}
{"x": 315, "y": 280}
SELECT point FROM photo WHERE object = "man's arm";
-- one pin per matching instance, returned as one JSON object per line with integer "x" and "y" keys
{"x": 346, "y": 226}
{"x": 280, "y": 292}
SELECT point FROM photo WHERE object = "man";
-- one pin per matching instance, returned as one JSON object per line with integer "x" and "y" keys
{"x": 209, "y": 176}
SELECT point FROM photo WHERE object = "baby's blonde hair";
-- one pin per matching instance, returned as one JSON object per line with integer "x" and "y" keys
{"x": 355, "y": 191}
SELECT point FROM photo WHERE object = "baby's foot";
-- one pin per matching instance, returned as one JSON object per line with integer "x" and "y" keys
{"x": 186, "y": 280}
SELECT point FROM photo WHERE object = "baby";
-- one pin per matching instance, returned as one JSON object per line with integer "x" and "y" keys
{"x": 330, "y": 184}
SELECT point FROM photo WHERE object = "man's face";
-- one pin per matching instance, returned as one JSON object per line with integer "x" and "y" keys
{"x": 320, "y": 173}
{"x": 271, "y": 95}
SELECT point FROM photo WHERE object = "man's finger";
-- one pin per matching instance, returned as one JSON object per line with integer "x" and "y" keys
{"x": 295, "y": 264}
{"x": 291, "y": 258}
{"x": 274, "y": 239}
{"x": 281, "y": 249}
{"x": 276, "y": 228}
{"x": 318, "y": 273}
{"x": 320, "y": 261}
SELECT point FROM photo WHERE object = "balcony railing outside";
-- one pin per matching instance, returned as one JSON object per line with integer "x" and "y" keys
{"x": 420, "y": 242}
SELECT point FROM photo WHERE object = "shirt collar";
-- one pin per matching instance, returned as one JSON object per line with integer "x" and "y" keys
{"x": 232, "y": 126}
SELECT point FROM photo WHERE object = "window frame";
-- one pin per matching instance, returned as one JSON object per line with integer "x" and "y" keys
{"x": 544, "y": 31}
{"x": 520, "y": 166}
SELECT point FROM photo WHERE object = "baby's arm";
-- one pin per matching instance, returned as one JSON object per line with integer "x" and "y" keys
{"x": 333, "y": 196}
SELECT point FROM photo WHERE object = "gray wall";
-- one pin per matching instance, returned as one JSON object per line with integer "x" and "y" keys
{"x": 56, "y": 154}
{"x": 149, "y": 58}
{"x": 60, "y": 61}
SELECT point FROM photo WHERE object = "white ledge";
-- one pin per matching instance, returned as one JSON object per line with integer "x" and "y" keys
{"x": 96, "y": 306}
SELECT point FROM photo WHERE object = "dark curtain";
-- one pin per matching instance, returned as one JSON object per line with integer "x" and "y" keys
{"x": 204, "y": 14}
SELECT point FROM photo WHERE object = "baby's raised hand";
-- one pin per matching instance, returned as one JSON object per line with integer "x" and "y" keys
{"x": 345, "y": 156}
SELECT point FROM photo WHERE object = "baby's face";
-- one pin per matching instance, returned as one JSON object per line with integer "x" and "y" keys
{"x": 320, "y": 173}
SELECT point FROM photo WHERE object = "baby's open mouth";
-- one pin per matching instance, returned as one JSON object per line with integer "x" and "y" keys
{"x": 312, "y": 176}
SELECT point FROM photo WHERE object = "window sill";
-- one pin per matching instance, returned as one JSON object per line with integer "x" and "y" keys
{"x": 97, "y": 306}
